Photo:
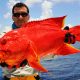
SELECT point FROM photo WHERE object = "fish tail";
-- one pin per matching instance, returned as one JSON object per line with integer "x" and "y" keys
{"x": 76, "y": 32}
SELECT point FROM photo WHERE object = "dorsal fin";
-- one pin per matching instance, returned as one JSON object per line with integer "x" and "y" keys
{"x": 56, "y": 22}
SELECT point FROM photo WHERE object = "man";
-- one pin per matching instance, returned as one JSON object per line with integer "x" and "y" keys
{"x": 20, "y": 15}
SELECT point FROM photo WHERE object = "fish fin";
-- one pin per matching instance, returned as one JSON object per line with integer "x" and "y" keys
{"x": 33, "y": 58}
{"x": 37, "y": 66}
{"x": 56, "y": 22}
{"x": 67, "y": 49}
{"x": 76, "y": 31}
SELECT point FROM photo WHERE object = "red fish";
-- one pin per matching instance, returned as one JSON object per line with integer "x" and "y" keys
{"x": 37, "y": 39}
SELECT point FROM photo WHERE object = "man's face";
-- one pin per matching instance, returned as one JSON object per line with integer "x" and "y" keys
{"x": 20, "y": 16}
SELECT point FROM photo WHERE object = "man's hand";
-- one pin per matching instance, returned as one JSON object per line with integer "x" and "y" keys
{"x": 69, "y": 38}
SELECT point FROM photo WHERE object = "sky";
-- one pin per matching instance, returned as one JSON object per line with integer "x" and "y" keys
{"x": 41, "y": 9}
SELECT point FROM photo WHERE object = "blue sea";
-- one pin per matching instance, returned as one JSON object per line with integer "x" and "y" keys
{"x": 61, "y": 68}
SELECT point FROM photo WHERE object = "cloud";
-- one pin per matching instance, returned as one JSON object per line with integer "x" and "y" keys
{"x": 5, "y": 29}
{"x": 6, "y": 15}
{"x": 11, "y": 3}
{"x": 27, "y": 2}
{"x": 69, "y": 25}
{"x": 32, "y": 2}
{"x": 46, "y": 9}
{"x": 59, "y": 1}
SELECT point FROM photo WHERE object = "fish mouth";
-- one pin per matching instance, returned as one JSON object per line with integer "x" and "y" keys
{"x": 4, "y": 64}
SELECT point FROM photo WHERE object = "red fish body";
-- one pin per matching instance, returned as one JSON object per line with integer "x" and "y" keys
{"x": 35, "y": 40}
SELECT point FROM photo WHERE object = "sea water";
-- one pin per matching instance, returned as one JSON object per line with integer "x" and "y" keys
{"x": 62, "y": 68}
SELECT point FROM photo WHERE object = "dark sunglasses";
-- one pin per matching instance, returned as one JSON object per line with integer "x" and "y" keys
{"x": 23, "y": 14}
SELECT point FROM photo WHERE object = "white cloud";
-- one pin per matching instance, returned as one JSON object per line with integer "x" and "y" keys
{"x": 69, "y": 25}
{"x": 12, "y": 2}
{"x": 34, "y": 19}
{"x": 58, "y": 1}
{"x": 31, "y": 2}
{"x": 46, "y": 6}
{"x": 5, "y": 29}
{"x": 6, "y": 15}
{"x": 10, "y": 5}
{"x": 46, "y": 9}
{"x": 27, "y": 2}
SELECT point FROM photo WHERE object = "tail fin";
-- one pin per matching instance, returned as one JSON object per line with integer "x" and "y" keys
{"x": 76, "y": 31}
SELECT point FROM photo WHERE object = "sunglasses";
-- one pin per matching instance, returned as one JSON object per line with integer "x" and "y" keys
{"x": 23, "y": 14}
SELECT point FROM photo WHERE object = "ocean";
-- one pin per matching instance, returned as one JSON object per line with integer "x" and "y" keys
{"x": 60, "y": 68}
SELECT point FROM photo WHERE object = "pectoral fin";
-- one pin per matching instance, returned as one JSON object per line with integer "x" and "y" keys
{"x": 33, "y": 58}
{"x": 37, "y": 66}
